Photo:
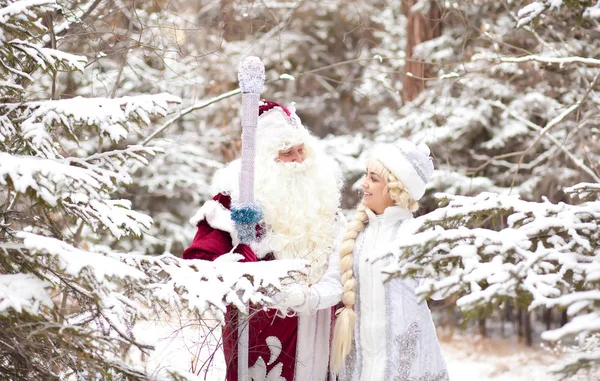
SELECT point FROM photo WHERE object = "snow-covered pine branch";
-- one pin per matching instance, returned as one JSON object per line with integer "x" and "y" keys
{"x": 38, "y": 124}
{"x": 183, "y": 284}
{"x": 20, "y": 41}
{"x": 79, "y": 187}
{"x": 107, "y": 293}
{"x": 495, "y": 250}
{"x": 560, "y": 61}
{"x": 69, "y": 309}
{"x": 97, "y": 314}
{"x": 533, "y": 10}
{"x": 584, "y": 191}
{"x": 585, "y": 354}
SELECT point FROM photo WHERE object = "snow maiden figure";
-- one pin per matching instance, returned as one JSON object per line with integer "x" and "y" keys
{"x": 382, "y": 333}
{"x": 298, "y": 188}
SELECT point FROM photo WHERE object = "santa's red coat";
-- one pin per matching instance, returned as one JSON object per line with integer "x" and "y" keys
{"x": 265, "y": 326}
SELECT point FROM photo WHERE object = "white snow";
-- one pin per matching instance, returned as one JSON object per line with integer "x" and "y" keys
{"x": 23, "y": 293}
{"x": 192, "y": 348}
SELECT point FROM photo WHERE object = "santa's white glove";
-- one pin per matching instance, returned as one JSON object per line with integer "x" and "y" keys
{"x": 296, "y": 298}
{"x": 289, "y": 297}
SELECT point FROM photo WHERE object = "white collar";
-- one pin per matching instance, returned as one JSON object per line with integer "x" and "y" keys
{"x": 391, "y": 215}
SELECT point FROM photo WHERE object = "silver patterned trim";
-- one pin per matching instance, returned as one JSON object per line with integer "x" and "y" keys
{"x": 441, "y": 376}
{"x": 354, "y": 359}
{"x": 405, "y": 352}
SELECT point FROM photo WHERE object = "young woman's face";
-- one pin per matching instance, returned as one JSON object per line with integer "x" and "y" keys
{"x": 374, "y": 196}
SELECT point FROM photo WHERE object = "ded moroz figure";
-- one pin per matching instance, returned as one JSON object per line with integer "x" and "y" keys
{"x": 298, "y": 189}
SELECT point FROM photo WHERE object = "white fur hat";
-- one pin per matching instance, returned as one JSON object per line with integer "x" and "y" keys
{"x": 409, "y": 163}
{"x": 279, "y": 128}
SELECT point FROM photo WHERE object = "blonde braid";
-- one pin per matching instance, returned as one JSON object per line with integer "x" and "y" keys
{"x": 343, "y": 331}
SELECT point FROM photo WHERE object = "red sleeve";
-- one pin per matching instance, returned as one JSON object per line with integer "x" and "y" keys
{"x": 210, "y": 243}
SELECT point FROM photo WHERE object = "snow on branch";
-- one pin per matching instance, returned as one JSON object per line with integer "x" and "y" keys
{"x": 493, "y": 250}
{"x": 201, "y": 286}
{"x": 16, "y": 12}
{"x": 73, "y": 261}
{"x": 23, "y": 293}
{"x": 109, "y": 117}
{"x": 81, "y": 185}
{"x": 48, "y": 58}
{"x": 586, "y": 354}
{"x": 533, "y": 10}
{"x": 538, "y": 245}
{"x": 20, "y": 54}
{"x": 561, "y": 61}
{"x": 107, "y": 293}
{"x": 204, "y": 286}
{"x": 55, "y": 261}
{"x": 584, "y": 190}
{"x": 102, "y": 293}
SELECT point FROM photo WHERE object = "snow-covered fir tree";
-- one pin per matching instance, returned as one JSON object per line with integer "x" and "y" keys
{"x": 510, "y": 108}
{"x": 512, "y": 111}
{"x": 69, "y": 302}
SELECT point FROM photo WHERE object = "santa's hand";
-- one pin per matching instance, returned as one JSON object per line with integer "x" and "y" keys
{"x": 290, "y": 297}
{"x": 298, "y": 298}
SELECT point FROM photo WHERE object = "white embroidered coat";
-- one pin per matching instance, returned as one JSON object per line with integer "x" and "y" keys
{"x": 395, "y": 338}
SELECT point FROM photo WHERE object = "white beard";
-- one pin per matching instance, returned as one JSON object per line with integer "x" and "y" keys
{"x": 299, "y": 203}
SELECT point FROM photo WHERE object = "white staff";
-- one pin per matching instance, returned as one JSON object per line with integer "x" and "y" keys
{"x": 247, "y": 214}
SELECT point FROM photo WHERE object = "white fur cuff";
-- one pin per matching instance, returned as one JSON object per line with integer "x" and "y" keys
{"x": 218, "y": 217}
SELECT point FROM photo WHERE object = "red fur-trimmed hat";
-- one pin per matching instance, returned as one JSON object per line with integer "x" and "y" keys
{"x": 272, "y": 114}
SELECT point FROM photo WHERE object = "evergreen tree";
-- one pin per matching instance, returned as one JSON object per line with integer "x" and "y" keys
{"x": 69, "y": 302}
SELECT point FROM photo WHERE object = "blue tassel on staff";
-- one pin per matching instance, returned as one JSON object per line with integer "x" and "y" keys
{"x": 246, "y": 216}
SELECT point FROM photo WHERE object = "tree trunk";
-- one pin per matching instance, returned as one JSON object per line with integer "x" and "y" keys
{"x": 528, "y": 331}
{"x": 421, "y": 27}
{"x": 482, "y": 328}
{"x": 548, "y": 318}
{"x": 503, "y": 322}
{"x": 564, "y": 318}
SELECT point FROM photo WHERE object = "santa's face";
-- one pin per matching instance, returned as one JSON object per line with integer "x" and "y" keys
{"x": 375, "y": 196}
{"x": 294, "y": 154}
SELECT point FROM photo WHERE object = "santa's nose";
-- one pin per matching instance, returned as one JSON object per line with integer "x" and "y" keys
{"x": 297, "y": 157}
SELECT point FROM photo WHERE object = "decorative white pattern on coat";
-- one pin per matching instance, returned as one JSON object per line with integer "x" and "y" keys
{"x": 258, "y": 372}
{"x": 274, "y": 347}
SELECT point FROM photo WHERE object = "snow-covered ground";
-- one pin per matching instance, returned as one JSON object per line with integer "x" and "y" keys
{"x": 185, "y": 346}
{"x": 476, "y": 359}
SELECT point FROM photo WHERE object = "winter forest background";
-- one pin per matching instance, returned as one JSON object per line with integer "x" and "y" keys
{"x": 114, "y": 115}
